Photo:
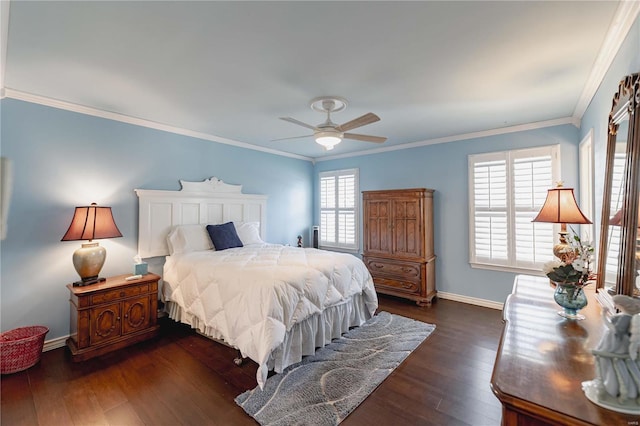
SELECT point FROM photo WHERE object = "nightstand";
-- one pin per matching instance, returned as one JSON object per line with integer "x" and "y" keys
{"x": 112, "y": 314}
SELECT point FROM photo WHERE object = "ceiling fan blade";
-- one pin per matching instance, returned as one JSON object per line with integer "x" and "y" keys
{"x": 298, "y": 122}
{"x": 365, "y": 138}
{"x": 358, "y": 122}
{"x": 292, "y": 137}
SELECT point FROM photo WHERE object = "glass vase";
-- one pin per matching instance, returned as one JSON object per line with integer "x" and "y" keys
{"x": 572, "y": 299}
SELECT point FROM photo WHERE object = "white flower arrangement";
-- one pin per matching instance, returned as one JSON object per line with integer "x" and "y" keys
{"x": 576, "y": 269}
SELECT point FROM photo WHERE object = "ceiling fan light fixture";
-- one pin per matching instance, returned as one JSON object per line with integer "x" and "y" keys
{"x": 330, "y": 134}
{"x": 328, "y": 139}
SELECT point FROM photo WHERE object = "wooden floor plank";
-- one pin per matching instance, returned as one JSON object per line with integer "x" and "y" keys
{"x": 123, "y": 414}
{"x": 16, "y": 393}
{"x": 182, "y": 378}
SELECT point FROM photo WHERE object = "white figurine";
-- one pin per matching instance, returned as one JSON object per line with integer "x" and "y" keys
{"x": 627, "y": 304}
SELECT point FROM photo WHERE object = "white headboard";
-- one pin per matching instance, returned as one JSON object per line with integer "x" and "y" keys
{"x": 211, "y": 201}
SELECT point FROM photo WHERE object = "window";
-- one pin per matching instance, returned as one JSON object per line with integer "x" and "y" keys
{"x": 339, "y": 209}
{"x": 586, "y": 185}
{"x": 507, "y": 189}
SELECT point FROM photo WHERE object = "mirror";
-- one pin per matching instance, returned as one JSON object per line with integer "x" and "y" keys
{"x": 618, "y": 254}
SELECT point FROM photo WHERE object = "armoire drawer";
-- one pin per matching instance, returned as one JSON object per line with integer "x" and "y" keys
{"x": 393, "y": 268}
{"x": 396, "y": 285}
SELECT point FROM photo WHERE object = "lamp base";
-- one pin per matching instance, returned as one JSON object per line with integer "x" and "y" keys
{"x": 88, "y": 261}
{"x": 90, "y": 281}
{"x": 563, "y": 249}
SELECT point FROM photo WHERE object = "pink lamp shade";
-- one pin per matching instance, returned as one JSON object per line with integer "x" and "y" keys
{"x": 89, "y": 223}
{"x": 561, "y": 207}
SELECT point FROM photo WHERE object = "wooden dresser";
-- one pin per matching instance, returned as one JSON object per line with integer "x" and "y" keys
{"x": 543, "y": 359}
{"x": 112, "y": 314}
{"x": 398, "y": 242}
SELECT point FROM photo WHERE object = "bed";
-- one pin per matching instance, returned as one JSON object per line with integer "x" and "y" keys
{"x": 273, "y": 303}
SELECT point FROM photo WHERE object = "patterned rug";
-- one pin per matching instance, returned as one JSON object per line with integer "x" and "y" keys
{"x": 324, "y": 388}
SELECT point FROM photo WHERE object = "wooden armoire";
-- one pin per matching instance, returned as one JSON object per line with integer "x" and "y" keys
{"x": 398, "y": 242}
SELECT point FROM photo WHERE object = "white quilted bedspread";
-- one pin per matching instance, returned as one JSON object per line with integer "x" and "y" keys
{"x": 252, "y": 295}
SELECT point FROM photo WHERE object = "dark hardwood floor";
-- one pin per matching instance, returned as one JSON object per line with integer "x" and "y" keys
{"x": 181, "y": 378}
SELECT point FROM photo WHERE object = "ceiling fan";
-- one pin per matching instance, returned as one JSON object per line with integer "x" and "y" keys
{"x": 329, "y": 134}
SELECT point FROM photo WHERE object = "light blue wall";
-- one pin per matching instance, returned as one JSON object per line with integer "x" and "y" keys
{"x": 626, "y": 62}
{"x": 63, "y": 159}
{"x": 443, "y": 167}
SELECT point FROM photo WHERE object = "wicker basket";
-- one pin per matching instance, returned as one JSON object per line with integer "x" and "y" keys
{"x": 21, "y": 348}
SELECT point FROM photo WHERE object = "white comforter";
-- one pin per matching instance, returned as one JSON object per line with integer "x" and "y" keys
{"x": 251, "y": 296}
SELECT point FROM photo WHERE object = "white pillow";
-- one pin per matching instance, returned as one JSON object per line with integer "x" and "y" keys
{"x": 186, "y": 238}
{"x": 249, "y": 232}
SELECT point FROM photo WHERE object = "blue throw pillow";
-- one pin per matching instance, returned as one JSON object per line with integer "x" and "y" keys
{"x": 224, "y": 236}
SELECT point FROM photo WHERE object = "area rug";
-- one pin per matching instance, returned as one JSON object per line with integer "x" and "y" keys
{"x": 324, "y": 388}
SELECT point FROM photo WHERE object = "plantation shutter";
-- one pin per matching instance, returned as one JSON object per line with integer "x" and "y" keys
{"x": 532, "y": 177}
{"x": 338, "y": 208}
{"x": 507, "y": 190}
{"x": 613, "y": 251}
{"x": 490, "y": 214}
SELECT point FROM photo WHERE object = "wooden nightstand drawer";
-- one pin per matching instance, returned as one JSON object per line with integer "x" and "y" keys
{"x": 109, "y": 296}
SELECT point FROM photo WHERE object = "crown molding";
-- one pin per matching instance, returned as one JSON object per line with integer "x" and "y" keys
{"x": 461, "y": 137}
{"x": 81, "y": 109}
{"x": 622, "y": 22}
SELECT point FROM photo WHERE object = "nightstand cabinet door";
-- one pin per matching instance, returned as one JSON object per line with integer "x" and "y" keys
{"x": 112, "y": 314}
{"x": 105, "y": 323}
{"x": 135, "y": 313}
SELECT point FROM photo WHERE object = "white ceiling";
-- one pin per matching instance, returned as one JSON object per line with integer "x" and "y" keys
{"x": 228, "y": 70}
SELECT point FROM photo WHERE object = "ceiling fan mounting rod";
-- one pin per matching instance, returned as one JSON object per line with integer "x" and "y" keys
{"x": 328, "y": 104}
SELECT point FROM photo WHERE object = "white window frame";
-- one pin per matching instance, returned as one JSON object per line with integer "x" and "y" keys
{"x": 587, "y": 232}
{"x": 337, "y": 209}
{"x": 549, "y": 231}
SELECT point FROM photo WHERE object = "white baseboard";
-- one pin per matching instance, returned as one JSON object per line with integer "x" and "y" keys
{"x": 471, "y": 300}
{"x": 56, "y": 343}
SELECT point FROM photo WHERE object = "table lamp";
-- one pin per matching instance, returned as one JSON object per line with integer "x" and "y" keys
{"x": 90, "y": 223}
{"x": 561, "y": 207}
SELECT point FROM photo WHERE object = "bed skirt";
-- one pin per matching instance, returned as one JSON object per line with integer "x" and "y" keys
{"x": 304, "y": 337}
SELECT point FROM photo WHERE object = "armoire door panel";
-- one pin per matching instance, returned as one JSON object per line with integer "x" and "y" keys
{"x": 377, "y": 221}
